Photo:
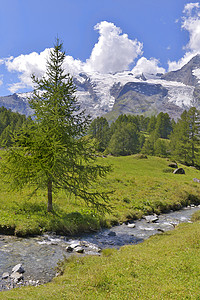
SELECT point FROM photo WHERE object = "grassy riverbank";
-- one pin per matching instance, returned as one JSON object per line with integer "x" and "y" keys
{"x": 167, "y": 266}
{"x": 141, "y": 186}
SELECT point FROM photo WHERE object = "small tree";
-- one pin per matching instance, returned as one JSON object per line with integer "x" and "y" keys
{"x": 52, "y": 152}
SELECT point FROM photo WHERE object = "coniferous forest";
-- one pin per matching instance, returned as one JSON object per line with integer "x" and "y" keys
{"x": 156, "y": 135}
{"x": 129, "y": 134}
{"x": 9, "y": 123}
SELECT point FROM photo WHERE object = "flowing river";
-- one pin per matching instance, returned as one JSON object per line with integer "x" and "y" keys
{"x": 40, "y": 255}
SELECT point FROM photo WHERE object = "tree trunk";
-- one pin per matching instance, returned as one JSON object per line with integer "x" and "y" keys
{"x": 50, "y": 205}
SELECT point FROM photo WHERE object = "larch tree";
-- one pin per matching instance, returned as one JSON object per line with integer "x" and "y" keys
{"x": 185, "y": 139}
{"x": 53, "y": 152}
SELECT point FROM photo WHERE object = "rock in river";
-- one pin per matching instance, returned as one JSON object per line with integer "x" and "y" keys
{"x": 151, "y": 218}
{"x": 18, "y": 268}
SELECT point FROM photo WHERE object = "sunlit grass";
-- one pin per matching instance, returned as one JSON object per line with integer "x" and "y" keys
{"x": 140, "y": 186}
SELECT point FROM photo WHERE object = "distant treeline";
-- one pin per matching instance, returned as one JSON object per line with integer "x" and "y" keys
{"x": 157, "y": 135}
{"x": 9, "y": 123}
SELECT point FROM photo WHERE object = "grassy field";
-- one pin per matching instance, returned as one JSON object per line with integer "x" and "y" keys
{"x": 140, "y": 186}
{"x": 166, "y": 266}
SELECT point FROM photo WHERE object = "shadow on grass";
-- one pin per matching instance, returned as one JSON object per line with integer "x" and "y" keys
{"x": 32, "y": 218}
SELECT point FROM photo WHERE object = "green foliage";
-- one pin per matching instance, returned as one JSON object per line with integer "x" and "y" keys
{"x": 152, "y": 124}
{"x": 52, "y": 152}
{"x": 163, "y": 125}
{"x": 127, "y": 134}
{"x": 125, "y": 140}
{"x": 184, "y": 141}
{"x": 160, "y": 148}
{"x": 100, "y": 130}
{"x": 9, "y": 123}
{"x": 149, "y": 144}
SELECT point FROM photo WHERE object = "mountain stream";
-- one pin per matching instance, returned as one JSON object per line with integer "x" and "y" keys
{"x": 39, "y": 255}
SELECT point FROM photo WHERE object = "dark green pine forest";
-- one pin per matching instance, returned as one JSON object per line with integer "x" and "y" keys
{"x": 156, "y": 135}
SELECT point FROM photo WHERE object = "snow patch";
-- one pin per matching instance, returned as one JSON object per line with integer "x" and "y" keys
{"x": 196, "y": 73}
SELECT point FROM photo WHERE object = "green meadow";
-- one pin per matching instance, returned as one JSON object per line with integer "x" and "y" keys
{"x": 138, "y": 186}
{"x": 166, "y": 266}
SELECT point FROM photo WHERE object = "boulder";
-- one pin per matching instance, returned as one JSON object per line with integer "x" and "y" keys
{"x": 72, "y": 246}
{"x": 173, "y": 165}
{"x": 131, "y": 225}
{"x": 5, "y": 275}
{"x": 79, "y": 250}
{"x": 16, "y": 276}
{"x": 179, "y": 171}
{"x": 69, "y": 249}
{"x": 151, "y": 218}
{"x": 18, "y": 268}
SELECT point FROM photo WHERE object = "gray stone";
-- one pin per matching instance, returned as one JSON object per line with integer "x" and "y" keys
{"x": 18, "y": 268}
{"x": 151, "y": 218}
{"x": 72, "y": 246}
{"x": 179, "y": 171}
{"x": 79, "y": 249}
{"x": 69, "y": 249}
{"x": 173, "y": 165}
{"x": 131, "y": 225}
{"x": 5, "y": 275}
{"x": 16, "y": 276}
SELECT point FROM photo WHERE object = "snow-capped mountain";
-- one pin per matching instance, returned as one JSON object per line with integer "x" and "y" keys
{"x": 113, "y": 94}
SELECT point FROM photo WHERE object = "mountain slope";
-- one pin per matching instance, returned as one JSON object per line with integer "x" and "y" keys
{"x": 113, "y": 94}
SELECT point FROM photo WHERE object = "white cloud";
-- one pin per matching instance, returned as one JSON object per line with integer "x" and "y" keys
{"x": 147, "y": 66}
{"x": 73, "y": 66}
{"x": 27, "y": 65}
{"x": 176, "y": 65}
{"x": 190, "y": 23}
{"x": 114, "y": 51}
{"x": 189, "y": 7}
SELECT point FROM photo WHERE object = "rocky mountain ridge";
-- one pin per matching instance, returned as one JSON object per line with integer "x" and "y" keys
{"x": 113, "y": 94}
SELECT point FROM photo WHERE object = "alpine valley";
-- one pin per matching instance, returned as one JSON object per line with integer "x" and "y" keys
{"x": 110, "y": 95}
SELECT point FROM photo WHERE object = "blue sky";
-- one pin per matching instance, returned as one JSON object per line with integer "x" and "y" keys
{"x": 98, "y": 35}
